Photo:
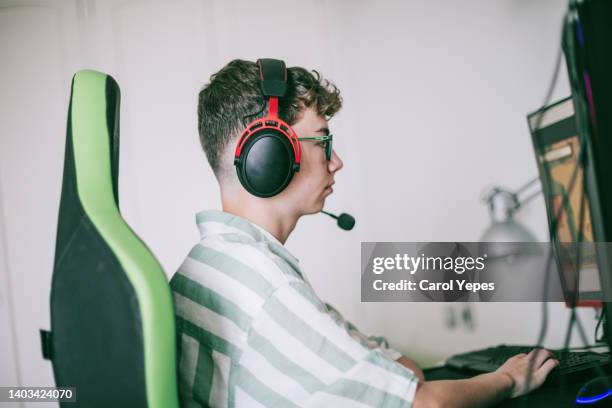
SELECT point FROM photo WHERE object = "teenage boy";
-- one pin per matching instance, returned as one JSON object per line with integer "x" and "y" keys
{"x": 251, "y": 330}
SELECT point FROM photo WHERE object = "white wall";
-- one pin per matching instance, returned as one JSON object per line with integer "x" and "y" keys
{"x": 436, "y": 94}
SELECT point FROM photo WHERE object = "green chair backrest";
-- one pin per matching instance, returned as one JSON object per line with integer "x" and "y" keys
{"x": 112, "y": 320}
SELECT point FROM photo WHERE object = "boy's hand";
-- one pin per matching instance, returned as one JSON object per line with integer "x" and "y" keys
{"x": 517, "y": 368}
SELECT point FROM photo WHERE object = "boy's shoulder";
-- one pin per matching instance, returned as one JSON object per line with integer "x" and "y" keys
{"x": 246, "y": 264}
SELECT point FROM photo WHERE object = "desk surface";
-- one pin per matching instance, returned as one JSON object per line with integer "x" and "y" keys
{"x": 559, "y": 393}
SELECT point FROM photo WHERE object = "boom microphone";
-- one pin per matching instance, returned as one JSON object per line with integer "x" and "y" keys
{"x": 345, "y": 221}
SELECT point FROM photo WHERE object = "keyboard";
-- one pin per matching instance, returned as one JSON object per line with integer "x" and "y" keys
{"x": 489, "y": 359}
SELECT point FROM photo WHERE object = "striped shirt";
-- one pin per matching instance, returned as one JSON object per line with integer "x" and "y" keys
{"x": 251, "y": 332}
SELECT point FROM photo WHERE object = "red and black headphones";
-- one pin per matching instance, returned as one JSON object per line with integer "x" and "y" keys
{"x": 268, "y": 151}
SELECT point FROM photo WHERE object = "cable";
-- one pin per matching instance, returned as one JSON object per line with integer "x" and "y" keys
{"x": 599, "y": 321}
{"x": 574, "y": 320}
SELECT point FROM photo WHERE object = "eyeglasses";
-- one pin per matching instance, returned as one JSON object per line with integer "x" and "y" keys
{"x": 328, "y": 143}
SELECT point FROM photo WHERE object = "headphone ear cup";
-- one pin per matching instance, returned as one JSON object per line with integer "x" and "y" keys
{"x": 266, "y": 164}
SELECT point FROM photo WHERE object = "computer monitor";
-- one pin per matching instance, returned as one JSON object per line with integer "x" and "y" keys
{"x": 586, "y": 45}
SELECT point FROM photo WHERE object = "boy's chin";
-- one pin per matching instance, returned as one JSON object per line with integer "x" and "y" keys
{"x": 315, "y": 208}
{"x": 319, "y": 207}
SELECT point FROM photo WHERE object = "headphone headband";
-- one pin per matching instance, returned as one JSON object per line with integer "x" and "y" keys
{"x": 273, "y": 74}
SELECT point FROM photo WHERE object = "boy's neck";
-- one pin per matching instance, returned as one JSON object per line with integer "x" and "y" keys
{"x": 275, "y": 219}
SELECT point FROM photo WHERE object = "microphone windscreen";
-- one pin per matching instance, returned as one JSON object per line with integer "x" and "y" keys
{"x": 346, "y": 221}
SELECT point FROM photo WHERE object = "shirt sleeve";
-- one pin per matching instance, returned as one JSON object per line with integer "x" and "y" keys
{"x": 372, "y": 342}
{"x": 301, "y": 354}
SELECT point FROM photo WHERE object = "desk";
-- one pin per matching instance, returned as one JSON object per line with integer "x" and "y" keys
{"x": 557, "y": 393}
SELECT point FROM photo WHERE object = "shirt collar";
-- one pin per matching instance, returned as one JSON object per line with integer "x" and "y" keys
{"x": 215, "y": 222}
